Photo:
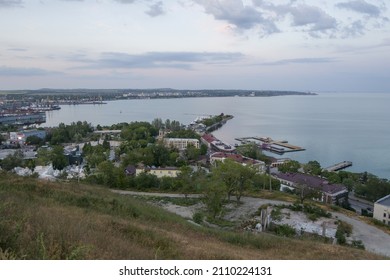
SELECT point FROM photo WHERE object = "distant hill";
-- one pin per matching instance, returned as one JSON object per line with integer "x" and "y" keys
{"x": 46, "y": 220}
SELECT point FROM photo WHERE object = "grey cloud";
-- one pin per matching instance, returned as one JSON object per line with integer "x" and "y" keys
{"x": 180, "y": 60}
{"x": 156, "y": 9}
{"x": 304, "y": 60}
{"x": 17, "y": 49}
{"x": 360, "y": 6}
{"x": 10, "y": 3}
{"x": 235, "y": 13}
{"x": 314, "y": 18}
{"x": 356, "y": 28}
{"x": 319, "y": 20}
{"x": 125, "y": 1}
{"x": 14, "y": 71}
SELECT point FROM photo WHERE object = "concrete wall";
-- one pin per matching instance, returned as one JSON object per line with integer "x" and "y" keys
{"x": 382, "y": 213}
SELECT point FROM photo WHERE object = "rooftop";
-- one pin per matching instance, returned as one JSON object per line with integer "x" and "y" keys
{"x": 312, "y": 181}
{"x": 384, "y": 201}
{"x": 236, "y": 157}
{"x": 209, "y": 138}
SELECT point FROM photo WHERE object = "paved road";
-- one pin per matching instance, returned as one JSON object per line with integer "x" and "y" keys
{"x": 374, "y": 239}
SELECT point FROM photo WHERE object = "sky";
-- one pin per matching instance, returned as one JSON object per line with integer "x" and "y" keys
{"x": 316, "y": 45}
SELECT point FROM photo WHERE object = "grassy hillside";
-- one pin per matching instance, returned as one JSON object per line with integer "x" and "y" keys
{"x": 45, "y": 220}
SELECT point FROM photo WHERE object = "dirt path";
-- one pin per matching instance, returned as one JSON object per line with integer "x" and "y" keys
{"x": 374, "y": 239}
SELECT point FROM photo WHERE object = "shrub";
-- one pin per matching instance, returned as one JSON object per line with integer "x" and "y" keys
{"x": 358, "y": 244}
{"x": 283, "y": 230}
{"x": 276, "y": 214}
{"x": 197, "y": 217}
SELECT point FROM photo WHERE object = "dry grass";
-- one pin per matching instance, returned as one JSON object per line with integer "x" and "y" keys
{"x": 44, "y": 220}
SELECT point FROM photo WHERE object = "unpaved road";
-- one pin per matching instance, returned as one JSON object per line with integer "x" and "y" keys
{"x": 374, "y": 239}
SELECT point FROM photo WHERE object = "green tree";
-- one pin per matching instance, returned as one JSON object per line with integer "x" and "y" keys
{"x": 95, "y": 155}
{"x": 43, "y": 156}
{"x": 12, "y": 160}
{"x": 34, "y": 140}
{"x": 106, "y": 173}
{"x": 313, "y": 167}
{"x": 225, "y": 173}
{"x": 290, "y": 167}
{"x": 305, "y": 192}
{"x": 185, "y": 179}
{"x": 192, "y": 153}
{"x": 145, "y": 181}
{"x": 158, "y": 123}
{"x": 58, "y": 159}
{"x": 214, "y": 195}
{"x": 236, "y": 177}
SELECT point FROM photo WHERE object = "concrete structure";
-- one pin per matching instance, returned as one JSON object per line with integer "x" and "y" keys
{"x": 220, "y": 156}
{"x": 181, "y": 143}
{"x": 382, "y": 210}
{"x": 162, "y": 133}
{"x": 331, "y": 193}
{"x": 159, "y": 171}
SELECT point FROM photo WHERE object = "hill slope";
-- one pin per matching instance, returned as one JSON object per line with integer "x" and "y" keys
{"x": 45, "y": 220}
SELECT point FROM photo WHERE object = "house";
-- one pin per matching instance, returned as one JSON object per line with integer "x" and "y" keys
{"x": 330, "y": 193}
{"x": 382, "y": 209}
{"x": 21, "y": 136}
{"x": 221, "y": 156}
{"x": 74, "y": 155}
{"x": 213, "y": 143}
{"x": 158, "y": 171}
{"x": 181, "y": 143}
{"x": 276, "y": 162}
{"x": 207, "y": 139}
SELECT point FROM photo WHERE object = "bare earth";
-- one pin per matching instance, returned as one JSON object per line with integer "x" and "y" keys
{"x": 374, "y": 239}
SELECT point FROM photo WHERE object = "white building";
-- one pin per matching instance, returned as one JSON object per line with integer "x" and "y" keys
{"x": 158, "y": 171}
{"x": 382, "y": 210}
{"x": 181, "y": 143}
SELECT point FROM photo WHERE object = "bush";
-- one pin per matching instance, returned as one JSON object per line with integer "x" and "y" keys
{"x": 276, "y": 214}
{"x": 283, "y": 230}
{"x": 197, "y": 217}
{"x": 358, "y": 244}
{"x": 343, "y": 229}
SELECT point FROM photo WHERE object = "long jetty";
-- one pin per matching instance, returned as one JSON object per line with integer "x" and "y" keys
{"x": 270, "y": 144}
{"x": 338, "y": 166}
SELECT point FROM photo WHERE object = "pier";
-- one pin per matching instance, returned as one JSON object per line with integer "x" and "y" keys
{"x": 338, "y": 166}
{"x": 271, "y": 145}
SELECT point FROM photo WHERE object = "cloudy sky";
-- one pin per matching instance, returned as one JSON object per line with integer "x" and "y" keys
{"x": 316, "y": 45}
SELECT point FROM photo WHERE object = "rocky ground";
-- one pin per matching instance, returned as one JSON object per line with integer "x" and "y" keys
{"x": 374, "y": 239}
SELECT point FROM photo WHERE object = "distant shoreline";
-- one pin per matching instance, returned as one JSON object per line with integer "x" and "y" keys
{"x": 120, "y": 94}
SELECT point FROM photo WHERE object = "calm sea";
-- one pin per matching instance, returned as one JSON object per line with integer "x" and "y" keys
{"x": 332, "y": 127}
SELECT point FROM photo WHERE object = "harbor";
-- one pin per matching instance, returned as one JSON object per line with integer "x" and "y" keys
{"x": 266, "y": 143}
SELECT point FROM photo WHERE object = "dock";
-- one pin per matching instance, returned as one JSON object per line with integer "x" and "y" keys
{"x": 269, "y": 144}
{"x": 338, "y": 166}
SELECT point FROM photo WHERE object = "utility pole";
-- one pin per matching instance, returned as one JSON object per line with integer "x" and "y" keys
{"x": 269, "y": 174}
